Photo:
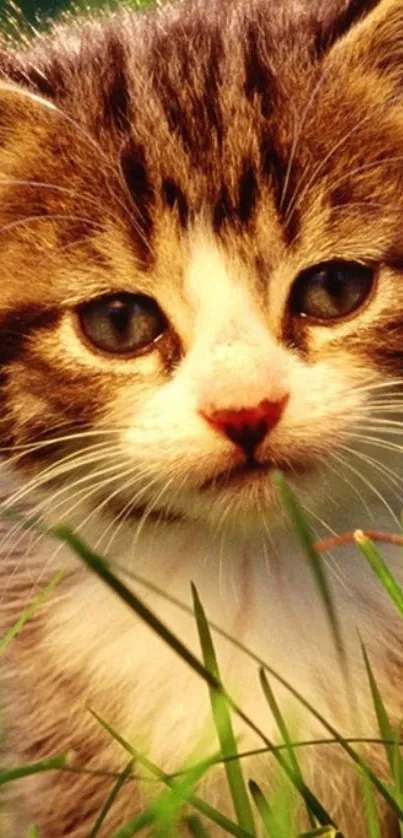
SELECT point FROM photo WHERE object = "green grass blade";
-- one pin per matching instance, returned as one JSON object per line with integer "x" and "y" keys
{"x": 336, "y": 738}
{"x": 306, "y": 538}
{"x": 204, "y": 808}
{"x": 392, "y": 803}
{"x": 398, "y": 772}
{"x": 280, "y": 721}
{"x": 380, "y": 568}
{"x": 321, "y": 832}
{"x": 165, "y": 811}
{"x": 33, "y": 832}
{"x": 384, "y": 725}
{"x": 370, "y": 808}
{"x": 30, "y": 611}
{"x": 222, "y": 720}
{"x": 264, "y": 809}
{"x": 282, "y": 726}
{"x": 120, "y": 782}
{"x": 168, "y": 807}
{"x": 195, "y": 827}
{"x": 136, "y": 825}
{"x": 102, "y": 568}
{"x": 51, "y": 764}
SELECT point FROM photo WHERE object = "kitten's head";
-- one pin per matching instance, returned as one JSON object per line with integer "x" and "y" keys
{"x": 201, "y": 249}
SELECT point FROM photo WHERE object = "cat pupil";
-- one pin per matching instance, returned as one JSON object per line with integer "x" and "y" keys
{"x": 120, "y": 315}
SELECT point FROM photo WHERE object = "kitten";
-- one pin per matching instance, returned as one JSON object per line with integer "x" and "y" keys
{"x": 201, "y": 256}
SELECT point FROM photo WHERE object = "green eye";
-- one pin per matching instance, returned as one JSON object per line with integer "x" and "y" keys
{"x": 331, "y": 290}
{"x": 122, "y": 324}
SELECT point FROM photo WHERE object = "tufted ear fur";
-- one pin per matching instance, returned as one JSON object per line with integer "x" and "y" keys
{"x": 337, "y": 17}
{"x": 373, "y": 41}
{"x": 38, "y": 72}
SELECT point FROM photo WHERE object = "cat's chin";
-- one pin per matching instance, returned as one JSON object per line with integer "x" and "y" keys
{"x": 242, "y": 498}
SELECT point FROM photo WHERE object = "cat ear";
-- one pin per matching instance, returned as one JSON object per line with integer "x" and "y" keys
{"x": 368, "y": 36}
{"x": 335, "y": 19}
{"x": 21, "y": 103}
{"x": 40, "y": 74}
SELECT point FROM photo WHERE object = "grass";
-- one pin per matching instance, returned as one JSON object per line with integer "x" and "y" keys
{"x": 178, "y": 805}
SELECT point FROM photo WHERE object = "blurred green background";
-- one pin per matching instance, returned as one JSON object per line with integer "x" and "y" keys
{"x": 20, "y": 12}
{"x": 31, "y": 9}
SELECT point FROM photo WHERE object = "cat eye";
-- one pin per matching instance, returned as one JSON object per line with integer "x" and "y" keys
{"x": 331, "y": 290}
{"x": 122, "y": 324}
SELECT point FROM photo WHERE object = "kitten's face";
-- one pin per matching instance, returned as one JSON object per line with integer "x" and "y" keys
{"x": 212, "y": 286}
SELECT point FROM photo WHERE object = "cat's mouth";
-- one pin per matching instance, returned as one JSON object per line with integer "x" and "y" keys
{"x": 254, "y": 472}
{"x": 235, "y": 476}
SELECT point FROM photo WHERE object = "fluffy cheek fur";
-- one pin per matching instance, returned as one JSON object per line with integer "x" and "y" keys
{"x": 149, "y": 445}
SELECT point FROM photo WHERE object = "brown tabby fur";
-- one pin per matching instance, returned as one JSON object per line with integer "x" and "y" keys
{"x": 279, "y": 123}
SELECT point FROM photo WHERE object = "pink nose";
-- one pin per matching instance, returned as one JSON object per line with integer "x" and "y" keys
{"x": 248, "y": 426}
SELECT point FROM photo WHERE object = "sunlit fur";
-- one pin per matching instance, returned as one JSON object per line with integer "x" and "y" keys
{"x": 203, "y": 155}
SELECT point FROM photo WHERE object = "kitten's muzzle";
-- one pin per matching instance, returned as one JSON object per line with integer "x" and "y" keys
{"x": 247, "y": 427}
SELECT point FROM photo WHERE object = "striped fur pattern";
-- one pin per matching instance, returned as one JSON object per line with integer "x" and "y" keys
{"x": 203, "y": 155}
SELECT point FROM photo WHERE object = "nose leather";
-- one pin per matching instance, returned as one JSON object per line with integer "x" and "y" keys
{"x": 247, "y": 426}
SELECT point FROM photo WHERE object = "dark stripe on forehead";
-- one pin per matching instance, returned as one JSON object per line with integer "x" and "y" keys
{"x": 18, "y": 326}
{"x": 214, "y": 116}
{"x": 248, "y": 191}
{"x": 175, "y": 198}
{"x": 115, "y": 88}
{"x": 283, "y": 183}
{"x": 162, "y": 58}
{"x": 223, "y": 209}
{"x": 238, "y": 211}
{"x": 186, "y": 69}
{"x": 135, "y": 170}
{"x": 259, "y": 78}
{"x": 261, "y": 84}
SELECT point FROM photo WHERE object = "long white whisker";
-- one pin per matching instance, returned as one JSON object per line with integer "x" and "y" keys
{"x": 369, "y": 485}
{"x": 387, "y": 474}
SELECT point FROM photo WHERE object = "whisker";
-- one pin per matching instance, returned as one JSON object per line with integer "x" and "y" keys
{"x": 302, "y": 188}
{"x": 297, "y": 134}
{"x": 376, "y": 441}
{"x": 76, "y": 436}
{"x": 119, "y": 520}
{"x": 366, "y": 167}
{"x": 30, "y": 219}
{"x": 57, "y": 469}
{"x": 387, "y": 475}
{"x": 378, "y": 385}
{"x": 100, "y": 153}
{"x": 369, "y": 485}
{"x": 39, "y": 507}
{"x": 38, "y": 184}
{"x": 341, "y": 474}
